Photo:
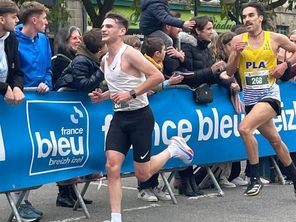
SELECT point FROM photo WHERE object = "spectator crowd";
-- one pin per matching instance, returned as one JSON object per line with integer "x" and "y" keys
{"x": 187, "y": 53}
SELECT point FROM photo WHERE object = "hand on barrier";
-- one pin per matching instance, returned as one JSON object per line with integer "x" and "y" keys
{"x": 18, "y": 95}
{"x": 42, "y": 88}
{"x": 9, "y": 97}
{"x": 235, "y": 87}
{"x": 175, "y": 79}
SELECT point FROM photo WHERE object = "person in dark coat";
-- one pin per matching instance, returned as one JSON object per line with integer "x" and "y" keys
{"x": 198, "y": 56}
{"x": 11, "y": 76}
{"x": 84, "y": 73}
{"x": 199, "y": 59}
{"x": 154, "y": 14}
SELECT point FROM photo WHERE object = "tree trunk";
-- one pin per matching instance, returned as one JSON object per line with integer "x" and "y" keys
{"x": 97, "y": 19}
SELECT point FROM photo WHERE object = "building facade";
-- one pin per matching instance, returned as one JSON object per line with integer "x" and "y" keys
{"x": 283, "y": 22}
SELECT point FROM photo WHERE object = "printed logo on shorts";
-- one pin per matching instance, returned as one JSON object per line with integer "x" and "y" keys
{"x": 59, "y": 133}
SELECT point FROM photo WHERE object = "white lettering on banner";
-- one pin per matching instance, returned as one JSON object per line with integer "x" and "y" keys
{"x": 286, "y": 120}
{"x": 2, "y": 148}
{"x": 74, "y": 160}
{"x": 106, "y": 125}
{"x": 164, "y": 131}
{"x": 63, "y": 146}
{"x": 73, "y": 131}
{"x": 183, "y": 127}
{"x": 215, "y": 127}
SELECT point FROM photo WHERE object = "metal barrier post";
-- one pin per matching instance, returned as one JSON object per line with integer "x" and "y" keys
{"x": 80, "y": 200}
{"x": 211, "y": 176}
{"x": 167, "y": 184}
{"x": 84, "y": 189}
{"x": 278, "y": 171}
{"x": 14, "y": 207}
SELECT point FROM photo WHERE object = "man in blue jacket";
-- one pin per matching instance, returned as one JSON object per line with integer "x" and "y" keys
{"x": 34, "y": 46}
{"x": 35, "y": 58}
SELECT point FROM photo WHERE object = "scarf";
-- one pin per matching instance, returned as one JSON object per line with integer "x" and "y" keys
{"x": 158, "y": 65}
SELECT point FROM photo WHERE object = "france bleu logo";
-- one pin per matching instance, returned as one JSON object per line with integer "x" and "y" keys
{"x": 59, "y": 133}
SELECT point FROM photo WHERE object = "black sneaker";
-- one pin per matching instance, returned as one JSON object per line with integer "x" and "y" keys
{"x": 253, "y": 188}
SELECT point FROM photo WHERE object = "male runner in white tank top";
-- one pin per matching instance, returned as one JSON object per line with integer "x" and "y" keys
{"x": 254, "y": 56}
{"x": 133, "y": 121}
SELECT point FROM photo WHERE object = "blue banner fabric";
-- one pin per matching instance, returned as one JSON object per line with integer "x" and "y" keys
{"x": 60, "y": 135}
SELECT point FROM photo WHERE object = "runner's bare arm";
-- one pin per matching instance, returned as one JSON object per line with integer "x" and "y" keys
{"x": 237, "y": 47}
{"x": 140, "y": 63}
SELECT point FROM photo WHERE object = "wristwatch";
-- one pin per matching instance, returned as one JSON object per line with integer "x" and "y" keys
{"x": 133, "y": 93}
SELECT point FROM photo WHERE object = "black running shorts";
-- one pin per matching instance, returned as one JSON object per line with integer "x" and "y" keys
{"x": 132, "y": 128}
{"x": 275, "y": 104}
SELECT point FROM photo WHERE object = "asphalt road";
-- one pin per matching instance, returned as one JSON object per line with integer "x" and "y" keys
{"x": 275, "y": 203}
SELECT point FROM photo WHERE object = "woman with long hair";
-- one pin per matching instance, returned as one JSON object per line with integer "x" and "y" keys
{"x": 65, "y": 46}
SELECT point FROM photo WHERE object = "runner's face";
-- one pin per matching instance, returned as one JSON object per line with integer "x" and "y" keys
{"x": 8, "y": 21}
{"x": 111, "y": 30}
{"x": 207, "y": 32}
{"x": 252, "y": 20}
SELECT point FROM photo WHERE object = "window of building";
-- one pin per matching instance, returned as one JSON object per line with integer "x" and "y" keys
{"x": 283, "y": 29}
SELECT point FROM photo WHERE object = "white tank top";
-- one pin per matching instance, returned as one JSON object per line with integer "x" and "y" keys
{"x": 118, "y": 80}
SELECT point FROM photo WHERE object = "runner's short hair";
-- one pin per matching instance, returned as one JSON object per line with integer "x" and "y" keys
{"x": 258, "y": 6}
{"x": 30, "y": 8}
{"x": 118, "y": 19}
{"x": 8, "y": 6}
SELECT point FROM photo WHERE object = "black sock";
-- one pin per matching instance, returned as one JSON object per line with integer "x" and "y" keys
{"x": 291, "y": 171}
{"x": 254, "y": 172}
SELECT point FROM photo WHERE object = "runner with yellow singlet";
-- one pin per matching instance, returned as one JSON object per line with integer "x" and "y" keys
{"x": 254, "y": 55}
{"x": 255, "y": 67}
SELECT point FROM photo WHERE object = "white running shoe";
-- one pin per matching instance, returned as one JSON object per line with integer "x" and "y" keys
{"x": 147, "y": 195}
{"x": 182, "y": 150}
{"x": 160, "y": 194}
{"x": 263, "y": 181}
{"x": 238, "y": 181}
{"x": 225, "y": 183}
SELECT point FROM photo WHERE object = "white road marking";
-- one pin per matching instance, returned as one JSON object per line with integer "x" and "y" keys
{"x": 69, "y": 219}
{"x": 124, "y": 187}
{"x": 202, "y": 196}
{"x": 141, "y": 208}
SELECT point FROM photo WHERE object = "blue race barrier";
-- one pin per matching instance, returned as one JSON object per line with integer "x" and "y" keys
{"x": 60, "y": 135}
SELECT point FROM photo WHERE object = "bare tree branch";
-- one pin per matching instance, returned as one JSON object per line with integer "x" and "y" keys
{"x": 276, "y": 4}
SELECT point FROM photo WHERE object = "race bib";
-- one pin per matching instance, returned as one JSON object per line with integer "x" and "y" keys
{"x": 257, "y": 79}
{"x": 120, "y": 106}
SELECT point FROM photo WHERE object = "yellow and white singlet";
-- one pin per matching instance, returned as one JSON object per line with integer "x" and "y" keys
{"x": 255, "y": 67}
